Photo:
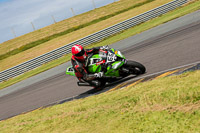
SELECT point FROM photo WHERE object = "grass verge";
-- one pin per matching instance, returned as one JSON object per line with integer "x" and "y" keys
{"x": 125, "y": 34}
{"x": 169, "y": 104}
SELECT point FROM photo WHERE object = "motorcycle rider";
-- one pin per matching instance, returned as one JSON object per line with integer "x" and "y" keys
{"x": 78, "y": 60}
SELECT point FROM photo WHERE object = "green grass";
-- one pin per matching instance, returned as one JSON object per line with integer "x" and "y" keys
{"x": 170, "y": 104}
{"x": 48, "y": 38}
{"x": 125, "y": 34}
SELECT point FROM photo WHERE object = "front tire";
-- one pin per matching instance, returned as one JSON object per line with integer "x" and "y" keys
{"x": 135, "y": 67}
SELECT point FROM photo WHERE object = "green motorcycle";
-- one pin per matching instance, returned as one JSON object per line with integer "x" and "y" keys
{"x": 114, "y": 65}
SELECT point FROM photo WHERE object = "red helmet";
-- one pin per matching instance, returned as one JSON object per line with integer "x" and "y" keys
{"x": 79, "y": 53}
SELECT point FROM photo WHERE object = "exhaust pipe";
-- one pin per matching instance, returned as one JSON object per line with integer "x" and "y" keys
{"x": 83, "y": 84}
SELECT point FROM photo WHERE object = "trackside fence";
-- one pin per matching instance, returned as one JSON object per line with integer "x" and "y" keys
{"x": 96, "y": 37}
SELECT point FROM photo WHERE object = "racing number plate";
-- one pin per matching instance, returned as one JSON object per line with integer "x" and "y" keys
{"x": 111, "y": 57}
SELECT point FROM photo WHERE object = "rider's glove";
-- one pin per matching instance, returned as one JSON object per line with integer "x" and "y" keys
{"x": 104, "y": 47}
{"x": 99, "y": 75}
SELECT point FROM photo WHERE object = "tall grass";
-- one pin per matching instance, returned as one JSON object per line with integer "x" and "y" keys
{"x": 169, "y": 104}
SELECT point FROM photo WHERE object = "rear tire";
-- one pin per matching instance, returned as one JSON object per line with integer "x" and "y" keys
{"x": 103, "y": 83}
{"x": 135, "y": 67}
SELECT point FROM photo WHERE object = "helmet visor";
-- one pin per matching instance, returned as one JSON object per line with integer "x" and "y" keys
{"x": 81, "y": 58}
{"x": 80, "y": 53}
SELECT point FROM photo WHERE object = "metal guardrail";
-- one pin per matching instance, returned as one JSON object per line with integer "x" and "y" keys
{"x": 98, "y": 36}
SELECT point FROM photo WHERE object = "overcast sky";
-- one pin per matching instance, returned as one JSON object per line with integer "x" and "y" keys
{"x": 18, "y": 14}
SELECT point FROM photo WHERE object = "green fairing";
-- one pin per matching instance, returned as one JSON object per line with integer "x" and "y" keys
{"x": 69, "y": 71}
{"x": 93, "y": 68}
{"x": 120, "y": 56}
{"x": 112, "y": 70}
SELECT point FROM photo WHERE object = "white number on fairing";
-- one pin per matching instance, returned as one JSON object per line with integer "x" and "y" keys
{"x": 94, "y": 61}
{"x": 111, "y": 57}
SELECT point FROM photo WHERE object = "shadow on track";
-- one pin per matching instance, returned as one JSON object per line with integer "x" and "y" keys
{"x": 108, "y": 86}
{"x": 97, "y": 91}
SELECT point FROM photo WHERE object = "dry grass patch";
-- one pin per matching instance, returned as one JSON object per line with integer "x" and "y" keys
{"x": 65, "y": 39}
{"x": 66, "y": 24}
{"x": 191, "y": 107}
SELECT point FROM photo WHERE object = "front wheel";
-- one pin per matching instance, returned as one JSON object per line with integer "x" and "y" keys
{"x": 135, "y": 67}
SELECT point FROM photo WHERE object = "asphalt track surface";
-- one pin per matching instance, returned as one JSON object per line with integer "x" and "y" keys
{"x": 175, "y": 48}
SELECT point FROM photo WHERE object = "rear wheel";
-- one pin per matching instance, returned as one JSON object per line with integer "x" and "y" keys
{"x": 135, "y": 67}
{"x": 103, "y": 82}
